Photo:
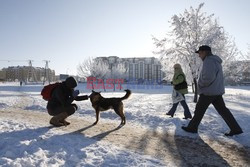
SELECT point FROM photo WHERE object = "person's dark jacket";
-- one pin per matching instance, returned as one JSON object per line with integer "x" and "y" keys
{"x": 62, "y": 96}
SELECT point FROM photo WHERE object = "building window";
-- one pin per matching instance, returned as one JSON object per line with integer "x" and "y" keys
{"x": 146, "y": 72}
{"x": 141, "y": 70}
{"x": 136, "y": 71}
{"x": 149, "y": 72}
{"x": 126, "y": 65}
{"x": 131, "y": 71}
{"x": 154, "y": 72}
{"x": 159, "y": 73}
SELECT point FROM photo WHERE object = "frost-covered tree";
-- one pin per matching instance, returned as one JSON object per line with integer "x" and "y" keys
{"x": 84, "y": 68}
{"x": 247, "y": 56}
{"x": 190, "y": 30}
{"x": 238, "y": 71}
{"x": 94, "y": 68}
{"x": 101, "y": 71}
{"x": 118, "y": 72}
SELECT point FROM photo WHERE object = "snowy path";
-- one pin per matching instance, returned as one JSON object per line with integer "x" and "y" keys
{"x": 172, "y": 149}
{"x": 148, "y": 139}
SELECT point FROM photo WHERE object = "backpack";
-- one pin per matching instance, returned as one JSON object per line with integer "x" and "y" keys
{"x": 47, "y": 90}
{"x": 182, "y": 85}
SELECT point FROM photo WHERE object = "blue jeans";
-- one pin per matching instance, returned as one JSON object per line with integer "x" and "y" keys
{"x": 187, "y": 113}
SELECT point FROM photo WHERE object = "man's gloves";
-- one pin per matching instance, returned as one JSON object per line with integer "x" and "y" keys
{"x": 75, "y": 93}
{"x": 80, "y": 98}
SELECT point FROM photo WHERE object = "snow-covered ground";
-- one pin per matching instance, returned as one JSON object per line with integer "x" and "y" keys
{"x": 26, "y": 145}
{"x": 29, "y": 144}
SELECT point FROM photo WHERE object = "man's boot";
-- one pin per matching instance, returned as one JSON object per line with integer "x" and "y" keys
{"x": 65, "y": 123}
{"x": 62, "y": 119}
{"x": 59, "y": 119}
{"x": 71, "y": 110}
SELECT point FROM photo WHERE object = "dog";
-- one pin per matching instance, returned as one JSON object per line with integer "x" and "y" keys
{"x": 100, "y": 103}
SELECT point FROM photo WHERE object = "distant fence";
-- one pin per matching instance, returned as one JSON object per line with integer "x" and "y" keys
{"x": 245, "y": 83}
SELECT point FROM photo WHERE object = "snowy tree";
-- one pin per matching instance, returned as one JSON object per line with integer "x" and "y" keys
{"x": 118, "y": 72}
{"x": 190, "y": 30}
{"x": 100, "y": 70}
{"x": 247, "y": 56}
{"x": 84, "y": 68}
{"x": 94, "y": 68}
{"x": 238, "y": 71}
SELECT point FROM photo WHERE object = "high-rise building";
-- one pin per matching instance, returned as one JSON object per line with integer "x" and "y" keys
{"x": 137, "y": 68}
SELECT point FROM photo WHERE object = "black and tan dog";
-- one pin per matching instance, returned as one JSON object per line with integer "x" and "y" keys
{"x": 100, "y": 103}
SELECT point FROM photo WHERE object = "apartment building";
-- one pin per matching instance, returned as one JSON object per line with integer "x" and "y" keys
{"x": 2, "y": 75}
{"x": 137, "y": 68}
{"x": 28, "y": 74}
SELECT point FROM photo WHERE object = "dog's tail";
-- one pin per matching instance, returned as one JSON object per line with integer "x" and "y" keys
{"x": 128, "y": 93}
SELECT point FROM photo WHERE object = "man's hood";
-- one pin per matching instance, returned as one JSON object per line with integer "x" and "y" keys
{"x": 214, "y": 57}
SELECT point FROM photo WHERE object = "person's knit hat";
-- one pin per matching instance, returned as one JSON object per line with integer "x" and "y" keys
{"x": 177, "y": 66}
{"x": 71, "y": 82}
{"x": 202, "y": 48}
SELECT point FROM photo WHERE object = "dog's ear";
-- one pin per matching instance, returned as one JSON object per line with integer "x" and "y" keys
{"x": 99, "y": 92}
{"x": 93, "y": 91}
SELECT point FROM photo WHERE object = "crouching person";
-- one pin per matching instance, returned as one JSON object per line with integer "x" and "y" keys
{"x": 60, "y": 104}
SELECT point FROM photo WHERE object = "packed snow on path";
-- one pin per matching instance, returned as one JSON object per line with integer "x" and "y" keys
{"x": 28, "y": 145}
{"x": 146, "y": 107}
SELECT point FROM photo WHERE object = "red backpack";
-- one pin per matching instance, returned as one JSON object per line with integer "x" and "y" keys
{"x": 47, "y": 90}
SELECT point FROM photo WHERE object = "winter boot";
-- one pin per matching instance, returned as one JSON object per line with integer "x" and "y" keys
{"x": 55, "y": 122}
{"x": 172, "y": 115}
{"x": 62, "y": 119}
{"x": 64, "y": 122}
{"x": 58, "y": 120}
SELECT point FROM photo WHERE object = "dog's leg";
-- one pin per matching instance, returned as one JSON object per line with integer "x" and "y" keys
{"x": 97, "y": 116}
{"x": 123, "y": 119}
{"x": 120, "y": 112}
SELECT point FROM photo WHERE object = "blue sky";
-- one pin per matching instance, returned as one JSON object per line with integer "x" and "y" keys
{"x": 68, "y": 31}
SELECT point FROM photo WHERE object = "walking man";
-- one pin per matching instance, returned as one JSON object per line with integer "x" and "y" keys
{"x": 211, "y": 88}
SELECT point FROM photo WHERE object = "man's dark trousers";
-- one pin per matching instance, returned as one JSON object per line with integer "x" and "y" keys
{"x": 218, "y": 102}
